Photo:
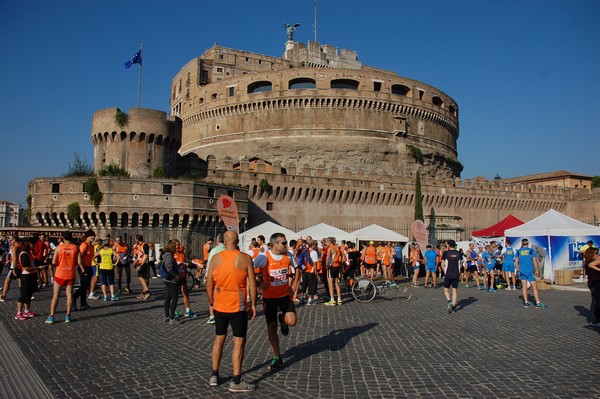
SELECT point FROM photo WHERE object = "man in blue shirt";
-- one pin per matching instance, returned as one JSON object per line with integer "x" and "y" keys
{"x": 526, "y": 264}
{"x": 508, "y": 265}
{"x": 431, "y": 261}
{"x": 489, "y": 262}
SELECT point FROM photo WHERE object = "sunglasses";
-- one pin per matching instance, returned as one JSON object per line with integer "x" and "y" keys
{"x": 282, "y": 243}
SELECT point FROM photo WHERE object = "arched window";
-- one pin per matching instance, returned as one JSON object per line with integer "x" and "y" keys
{"x": 347, "y": 84}
{"x": 400, "y": 90}
{"x": 124, "y": 219}
{"x": 261, "y": 86}
{"x": 302, "y": 83}
{"x": 437, "y": 101}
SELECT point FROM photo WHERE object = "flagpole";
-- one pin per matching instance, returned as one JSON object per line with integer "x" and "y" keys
{"x": 140, "y": 77}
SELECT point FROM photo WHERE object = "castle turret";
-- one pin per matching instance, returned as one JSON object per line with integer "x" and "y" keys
{"x": 138, "y": 142}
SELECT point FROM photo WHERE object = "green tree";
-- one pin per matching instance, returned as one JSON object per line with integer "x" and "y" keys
{"x": 113, "y": 170}
{"x": 92, "y": 189}
{"x": 159, "y": 172}
{"x": 80, "y": 168}
{"x": 418, "y": 199}
{"x": 73, "y": 211}
{"x": 596, "y": 182}
{"x": 121, "y": 118}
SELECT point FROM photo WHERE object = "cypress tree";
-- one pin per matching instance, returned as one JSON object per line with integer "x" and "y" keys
{"x": 418, "y": 199}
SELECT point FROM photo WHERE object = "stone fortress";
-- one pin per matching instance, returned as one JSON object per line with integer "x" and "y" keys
{"x": 313, "y": 136}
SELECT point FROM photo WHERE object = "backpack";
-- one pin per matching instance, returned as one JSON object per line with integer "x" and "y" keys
{"x": 164, "y": 274}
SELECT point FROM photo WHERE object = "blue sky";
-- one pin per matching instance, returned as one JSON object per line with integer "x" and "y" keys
{"x": 525, "y": 73}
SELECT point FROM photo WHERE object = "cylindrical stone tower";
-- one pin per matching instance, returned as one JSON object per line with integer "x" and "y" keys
{"x": 138, "y": 142}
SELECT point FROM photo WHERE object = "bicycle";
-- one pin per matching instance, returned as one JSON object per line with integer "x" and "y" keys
{"x": 364, "y": 289}
{"x": 191, "y": 281}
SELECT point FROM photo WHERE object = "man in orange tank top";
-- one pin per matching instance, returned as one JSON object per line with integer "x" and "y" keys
{"x": 124, "y": 261}
{"x": 277, "y": 265}
{"x": 230, "y": 275}
{"x": 67, "y": 259}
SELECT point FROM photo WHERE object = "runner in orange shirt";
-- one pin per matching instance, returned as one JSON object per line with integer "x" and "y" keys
{"x": 227, "y": 292}
{"x": 124, "y": 261}
{"x": 277, "y": 265}
{"x": 67, "y": 259}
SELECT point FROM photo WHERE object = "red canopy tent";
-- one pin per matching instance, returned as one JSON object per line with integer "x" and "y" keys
{"x": 497, "y": 230}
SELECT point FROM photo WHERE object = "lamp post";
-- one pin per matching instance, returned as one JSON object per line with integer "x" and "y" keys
{"x": 497, "y": 181}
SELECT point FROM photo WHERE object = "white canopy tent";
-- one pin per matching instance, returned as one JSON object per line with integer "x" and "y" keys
{"x": 266, "y": 229}
{"x": 560, "y": 235}
{"x": 322, "y": 230}
{"x": 375, "y": 232}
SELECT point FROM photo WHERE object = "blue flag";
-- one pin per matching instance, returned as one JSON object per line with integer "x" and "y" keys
{"x": 136, "y": 59}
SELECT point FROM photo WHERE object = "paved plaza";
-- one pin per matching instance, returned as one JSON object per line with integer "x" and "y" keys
{"x": 492, "y": 347}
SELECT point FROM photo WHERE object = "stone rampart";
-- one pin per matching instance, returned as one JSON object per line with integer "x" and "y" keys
{"x": 308, "y": 195}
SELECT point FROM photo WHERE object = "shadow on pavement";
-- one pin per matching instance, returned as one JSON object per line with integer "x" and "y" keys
{"x": 334, "y": 341}
{"x": 463, "y": 303}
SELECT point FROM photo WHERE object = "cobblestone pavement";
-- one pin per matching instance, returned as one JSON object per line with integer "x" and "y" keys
{"x": 492, "y": 347}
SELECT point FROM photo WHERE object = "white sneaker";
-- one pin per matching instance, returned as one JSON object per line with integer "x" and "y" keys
{"x": 92, "y": 296}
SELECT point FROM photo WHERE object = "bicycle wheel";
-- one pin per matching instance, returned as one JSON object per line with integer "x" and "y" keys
{"x": 363, "y": 290}
{"x": 189, "y": 281}
{"x": 404, "y": 292}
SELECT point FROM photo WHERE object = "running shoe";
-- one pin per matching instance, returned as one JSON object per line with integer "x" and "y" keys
{"x": 114, "y": 298}
{"x": 453, "y": 309}
{"x": 174, "y": 322}
{"x": 449, "y": 307}
{"x": 339, "y": 302}
{"x": 176, "y": 313}
{"x": 2, "y": 298}
{"x": 527, "y": 304}
{"x": 492, "y": 289}
{"x": 275, "y": 364}
{"x": 540, "y": 305}
{"x": 466, "y": 285}
{"x": 50, "y": 320}
{"x": 128, "y": 290}
{"x": 211, "y": 320}
{"x": 190, "y": 314}
{"x": 28, "y": 314}
{"x": 243, "y": 386}
{"x": 310, "y": 302}
{"x": 19, "y": 316}
{"x": 214, "y": 381}
{"x": 105, "y": 298}
{"x": 92, "y": 296}
{"x": 140, "y": 295}
{"x": 486, "y": 289}
{"x": 329, "y": 303}
{"x": 167, "y": 318}
{"x": 67, "y": 318}
{"x": 285, "y": 329}
{"x": 147, "y": 295}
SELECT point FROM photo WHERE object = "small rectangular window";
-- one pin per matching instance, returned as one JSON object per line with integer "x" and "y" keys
{"x": 231, "y": 91}
{"x": 167, "y": 189}
{"x": 55, "y": 188}
{"x": 220, "y": 56}
{"x": 211, "y": 192}
{"x": 269, "y": 206}
{"x": 377, "y": 86}
{"x": 230, "y": 193}
{"x": 219, "y": 70}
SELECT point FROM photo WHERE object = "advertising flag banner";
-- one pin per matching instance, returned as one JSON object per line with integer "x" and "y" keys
{"x": 419, "y": 231}
{"x": 228, "y": 212}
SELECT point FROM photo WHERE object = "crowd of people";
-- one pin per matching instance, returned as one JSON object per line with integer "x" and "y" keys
{"x": 36, "y": 263}
{"x": 279, "y": 273}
